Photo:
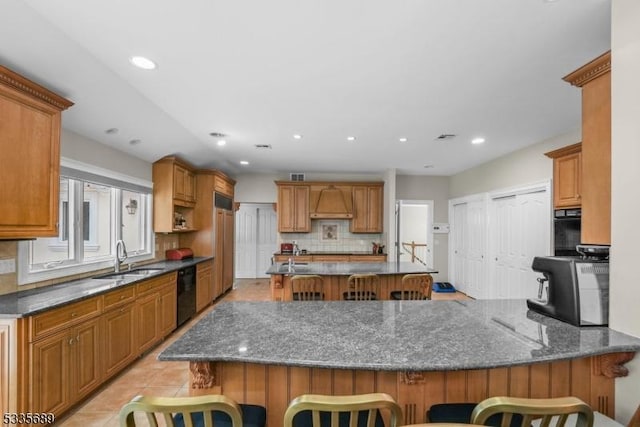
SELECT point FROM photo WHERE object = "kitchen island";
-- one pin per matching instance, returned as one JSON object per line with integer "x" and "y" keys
{"x": 336, "y": 274}
{"x": 420, "y": 352}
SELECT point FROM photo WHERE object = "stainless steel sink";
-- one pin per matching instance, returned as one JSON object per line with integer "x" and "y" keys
{"x": 145, "y": 271}
{"x": 121, "y": 275}
{"x": 301, "y": 267}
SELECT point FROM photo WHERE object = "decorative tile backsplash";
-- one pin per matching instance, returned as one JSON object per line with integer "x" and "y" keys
{"x": 332, "y": 235}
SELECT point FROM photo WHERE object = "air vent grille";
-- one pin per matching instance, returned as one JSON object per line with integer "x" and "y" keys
{"x": 297, "y": 176}
{"x": 445, "y": 136}
{"x": 263, "y": 146}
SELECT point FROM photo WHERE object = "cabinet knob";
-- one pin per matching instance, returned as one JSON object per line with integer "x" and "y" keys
{"x": 122, "y": 296}
{"x": 71, "y": 341}
{"x": 74, "y": 314}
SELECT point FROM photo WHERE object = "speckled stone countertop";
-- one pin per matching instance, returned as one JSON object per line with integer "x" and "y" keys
{"x": 33, "y": 301}
{"x": 348, "y": 268}
{"x": 390, "y": 335}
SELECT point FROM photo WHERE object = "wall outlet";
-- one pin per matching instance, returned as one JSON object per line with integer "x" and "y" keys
{"x": 7, "y": 266}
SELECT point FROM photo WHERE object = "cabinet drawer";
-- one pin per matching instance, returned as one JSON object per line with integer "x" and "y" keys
{"x": 121, "y": 296}
{"x": 56, "y": 319}
{"x": 331, "y": 258}
{"x": 154, "y": 284}
{"x": 368, "y": 258}
{"x": 203, "y": 267}
{"x": 222, "y": 186}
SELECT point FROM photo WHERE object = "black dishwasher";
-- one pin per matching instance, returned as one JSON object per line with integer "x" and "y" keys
{"x": 186, "y": 294}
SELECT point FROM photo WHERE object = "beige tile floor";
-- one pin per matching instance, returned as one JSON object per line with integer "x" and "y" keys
{"x": 149, "y": 376}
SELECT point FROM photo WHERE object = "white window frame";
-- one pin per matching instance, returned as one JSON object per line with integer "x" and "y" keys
{"x": 74, "y": 267}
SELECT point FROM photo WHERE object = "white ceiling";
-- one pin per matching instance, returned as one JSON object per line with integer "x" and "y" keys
{"x": 261, "y": 71}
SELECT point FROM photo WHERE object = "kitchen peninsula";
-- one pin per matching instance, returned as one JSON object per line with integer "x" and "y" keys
{"x": 336, "y": 274}
{"x": 420, "y": 352}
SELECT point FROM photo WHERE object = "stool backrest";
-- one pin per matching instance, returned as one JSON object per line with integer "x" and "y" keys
{"x": 551, "y": 412}
{"x": 363, "y": 286}
{"x": 167, "y": 407}
{"x": 362, "y": 410}
{"x": 307, "y": 287}
{"x": 416, "y": 286}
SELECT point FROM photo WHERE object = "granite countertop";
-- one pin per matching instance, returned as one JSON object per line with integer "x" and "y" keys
{"x": 348, "y": 268}
{"x": 390, "y": 335}
{"x": 33, "y": 301}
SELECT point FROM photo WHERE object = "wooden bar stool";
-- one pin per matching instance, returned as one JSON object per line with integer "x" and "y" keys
{"x": 414, "y": 287}
{"x": 362, "y": 287}
{"x": 307, "y": 288}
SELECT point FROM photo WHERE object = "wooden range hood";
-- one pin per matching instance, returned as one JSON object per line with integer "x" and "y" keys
{"x": 331, "y": 202}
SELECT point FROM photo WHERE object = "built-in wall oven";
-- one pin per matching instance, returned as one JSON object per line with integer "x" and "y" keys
{"x": 186, "y": 294}
{"x": 566, "y": 231}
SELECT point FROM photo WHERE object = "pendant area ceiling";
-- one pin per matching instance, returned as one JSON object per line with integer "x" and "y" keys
{"x": 261, "y": 72}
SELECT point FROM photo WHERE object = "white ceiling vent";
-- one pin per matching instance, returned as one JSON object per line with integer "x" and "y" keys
{"x": 296, "y": 176}
{"x": 263, "y": 146}
{"x": 445, "y": 136}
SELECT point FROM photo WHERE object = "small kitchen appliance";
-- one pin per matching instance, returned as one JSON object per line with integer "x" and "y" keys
{"x": 286, "y": 248}
{"x": 578, "y": 288}
{"x": 178, "y": 254}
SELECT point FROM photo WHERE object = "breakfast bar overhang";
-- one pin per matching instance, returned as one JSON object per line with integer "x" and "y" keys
{"x": 420, "y": 352}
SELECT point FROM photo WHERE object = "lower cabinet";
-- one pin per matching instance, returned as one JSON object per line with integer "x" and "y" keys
{"x": 72, "y": 350}
{"x": 119, "y": 347}
{"x": 65, "y": 367}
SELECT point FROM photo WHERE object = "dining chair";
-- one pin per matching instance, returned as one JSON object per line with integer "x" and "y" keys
{"x": 196, "y": 411}
{"x": 362, "y": 287}
{"x": 307, "y": 288}
{"x": 414, "y": 286}
{"x": 363, "y": 410}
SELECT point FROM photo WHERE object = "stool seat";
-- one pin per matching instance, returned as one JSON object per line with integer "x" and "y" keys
{"x": 252, "y": 416}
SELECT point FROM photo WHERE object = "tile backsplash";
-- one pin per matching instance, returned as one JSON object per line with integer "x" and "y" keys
{"x": 333, "y": 236}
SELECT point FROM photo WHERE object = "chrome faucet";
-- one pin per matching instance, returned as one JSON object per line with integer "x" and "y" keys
{"x": 121, "y": 255}
{"x": 296, "y": 249}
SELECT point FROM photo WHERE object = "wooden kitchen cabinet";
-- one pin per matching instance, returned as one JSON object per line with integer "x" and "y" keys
{"x": 367, "y": 208}
{"x": 204, "y": 288}
{"x": 147, "y": 321}
{"x": 595, "y": 80}
{"x": 156, "y": 315}
{"x": 174, "y": 194}
{"x": 293, "y": 208}
{"x": 30, "y": 144}
{"x": 567, "y": 176}
{"x": 66, "y": 367}
{"x": 167, "y": 313}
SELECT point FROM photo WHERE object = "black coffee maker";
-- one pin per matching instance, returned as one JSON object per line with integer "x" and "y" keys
{"x": 578, "y": 289}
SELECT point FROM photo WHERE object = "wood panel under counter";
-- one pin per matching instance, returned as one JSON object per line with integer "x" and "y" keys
{"x": 332, "y": 257}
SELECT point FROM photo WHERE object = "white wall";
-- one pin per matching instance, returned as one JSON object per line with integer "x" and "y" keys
{"x": 256, "y": 188}
{"x": 436, "y": 188}
{"x": 82, "y": 149}
{"x": 521, "y": 167}
{"x": 625, "y": 181}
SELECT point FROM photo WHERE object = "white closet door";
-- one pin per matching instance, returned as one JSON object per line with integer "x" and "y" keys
{"x": 246, "y": 238}
{"x": 267, "y": 241}
{"x": 459, "y": 250}
{"x": 520, "y": 228}
{"x": 475, "y": 244}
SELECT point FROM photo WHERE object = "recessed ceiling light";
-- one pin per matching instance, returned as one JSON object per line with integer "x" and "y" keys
{"x": 351, "y": 138}
{"x": 403, "y": 139}
{"x": 135, "y": 141}
{"x": 428, "y": 166}
{"x": 142, "y": 62}
{"x": 477, "y": 140}
{"x": 244, "y": 162}
{"x": 222, "y": 142}
{"x": 111, "y": 131}
{"x": 297, "y": 136}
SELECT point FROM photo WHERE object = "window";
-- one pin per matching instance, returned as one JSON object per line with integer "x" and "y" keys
{"x": 94, "y": 212}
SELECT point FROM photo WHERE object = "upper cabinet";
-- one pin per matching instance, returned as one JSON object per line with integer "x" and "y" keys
{"x": 367, "y": 208}
{"x": 300, "y": 202}
{"x": 293, "y": 208}
{"x": 567, "y": 176}
{"x": 174, "y": 195}
{"x": 30, "y": 117}
{"x": 595, "y": 80}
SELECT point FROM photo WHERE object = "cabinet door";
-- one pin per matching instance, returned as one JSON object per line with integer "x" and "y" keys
{"x": 302, "y": 218}
{"x": 374, "y": 211}
{"x": 167, "y": 311}
{"x": 179, "y": 182}
{"x": 85, "y": 359}
{"x": 147, "y": 321}
{"x": 51, "y": 381}
{"x": 190, "y": 186}
{"x": 567, "y": 179}
{"x": 30, "y": 160}
{"x": 119, "y": 339}
{"x": 204, "y": 293}
{"x": 367, "y": 209}
{"x": 286, "y": 209}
